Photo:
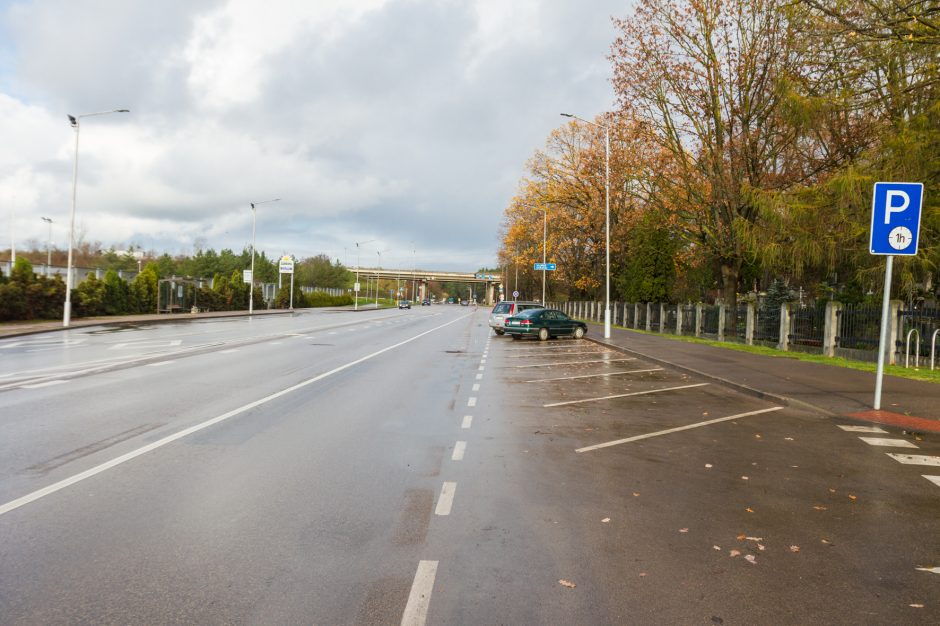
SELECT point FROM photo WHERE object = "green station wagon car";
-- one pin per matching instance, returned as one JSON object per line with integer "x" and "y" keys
{"x": 543, "y": 323}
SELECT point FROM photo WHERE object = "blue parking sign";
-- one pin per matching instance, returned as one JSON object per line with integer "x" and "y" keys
{"x": 895, "y": 218}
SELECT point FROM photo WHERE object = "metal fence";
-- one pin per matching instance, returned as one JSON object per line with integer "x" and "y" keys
{"x": 669, "y": 320}
{"x": 688, "y": 319}
{"x": 767, "y": 325}
{"x": 859, "y": 327}
{"x": 740, "y": 325}
{"x": 920, "y": 332}
{"x": 807, "y": 326}
{"x": 655, "y": 322}
{"x": 710, "y": 316}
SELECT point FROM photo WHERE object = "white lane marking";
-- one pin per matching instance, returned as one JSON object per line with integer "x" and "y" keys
{"x": 929, "y": 570}
{"x": 529, "y": 356}
{"x": 274, "y": 343}
{"x": 915, "y": 459}
{"x": 479, "y": 376}
{"x": 459, "y": 449}
{"x": 467, "y": 421}
{"x": 471, "y": 401}
{"x": 476, "y": 386}
{"x": 545, "y": 380}
{"x": 416, "y": 611}
{"x": 446, "y": 501}
{"x": 332, "y": 332}
{"x": 481, "y": 368}
{"x": 888, "y": 443}
{"x": 160, "y": 363}
{"x": 67, "y": 482}
{"x": 862, "y": 429}
{"x": 625, "y": 395}
{"x": 482, "y": 361}
{"x": 231, "y": 351}
{"x": 934, "y": 479}
{"x": 150, "y": 343}
{"x": 573, "y": 363}
{"x": 48, "y": 383}
{"x": 676, "y": 430}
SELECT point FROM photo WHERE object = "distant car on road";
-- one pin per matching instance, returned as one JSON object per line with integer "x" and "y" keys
{"x": 508, "y": 308}
{"x": 543, "y": 323}
{"x": 464, "y": 303}
{"x": 426, "y": 302}
{"x": 404, "y": 304}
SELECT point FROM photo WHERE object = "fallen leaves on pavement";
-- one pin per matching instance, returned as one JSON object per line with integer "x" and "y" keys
{"x": 567, "y": 583}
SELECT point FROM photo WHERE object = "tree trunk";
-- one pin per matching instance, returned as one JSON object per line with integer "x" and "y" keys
{"x": 729, "y": 293}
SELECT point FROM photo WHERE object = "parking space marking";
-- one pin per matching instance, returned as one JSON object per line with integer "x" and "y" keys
{"x": 624, "y": 395}
{"x": 888, "y": 443}
{"x": 416, "y": 610}
{"x": 677, "y": 429}
{"x": 934, "y": 479}
{"x": 476, "y": 387}
{"x": 545, "y": 380}
{"x": 573, "y": 363}
{"x": 915, "y": 459}
{"x": 862, "y": 429}
{"x": 459, "y": 449}
{"x": 471, "y": 401}
{"x": 548, "y": 347}
{"x": 529, "y": 356}
{"x": 446, "y": 501}
{"x": 467, "y": 421}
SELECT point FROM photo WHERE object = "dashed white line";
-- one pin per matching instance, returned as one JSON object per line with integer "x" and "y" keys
{"x": 459, "y": 449}
{"x": 625, "y": 395}
{"x": 419, "y": 599}
{"x": 545, "y": 380}
{"x": 915, "y": 459}
{"x": 862, "y": 429}
{"x": 160, "y": 363}
{"x": 471, "y": 401}
{"x": 476, "y": 386}
{"x": 48, "y": 383}
{"x": 467, "y": 421}
{"x": 481, "y": 368}
{"x": 888, "y": 443}
{"x": 479, "y": 376}
{"x": 229, "y": 351}
{"x": 675, "y": 430}
{"x": 446, "y": 501}
{"x": 574, "y": 363}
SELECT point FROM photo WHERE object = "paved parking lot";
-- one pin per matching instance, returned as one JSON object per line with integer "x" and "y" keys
{"x": 669, "y": 499}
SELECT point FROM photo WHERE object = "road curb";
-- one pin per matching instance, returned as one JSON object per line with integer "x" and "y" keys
{"x": 746, "y": 389}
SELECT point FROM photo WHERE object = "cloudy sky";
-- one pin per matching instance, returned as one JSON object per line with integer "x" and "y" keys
{"x": 397, "y": 121}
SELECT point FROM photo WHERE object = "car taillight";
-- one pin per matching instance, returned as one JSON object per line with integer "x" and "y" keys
{"x": 526, "y": 322}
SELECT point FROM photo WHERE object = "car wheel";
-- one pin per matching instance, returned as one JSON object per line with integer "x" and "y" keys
{"x": 543, "y": 334}
{"x": 500, "y": 332}
{"x": 578, "y": 332}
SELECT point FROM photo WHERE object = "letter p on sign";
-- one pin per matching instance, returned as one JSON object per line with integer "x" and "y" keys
{"x": 895, "y": 218}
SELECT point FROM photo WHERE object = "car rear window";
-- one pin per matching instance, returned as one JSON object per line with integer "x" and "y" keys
{"x": 525, "y": 307}
{"x": 502, "y": 308}
{"x": 530, "y": 312}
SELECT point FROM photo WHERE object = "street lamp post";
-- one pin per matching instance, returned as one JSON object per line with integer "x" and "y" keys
{"x": 48, "y": 220}
{"x": 359, "y": 245}
{"x": 544, "y": 239}
{"x": 606, "y": 213}
{"x": 75, "y": 121}
{"x": 251, "y": 287}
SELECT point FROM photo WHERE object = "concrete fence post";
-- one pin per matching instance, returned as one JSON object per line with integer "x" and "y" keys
{"x": 784, "y": 339}
{"x": 722, "y": 316}
{"x": 613, "y": 313}
{"x": 894, "y": 333}
{"x": 831, "y": 328}
{"x": 662, "y": 317}
{"x": 751, "y": 320}
{"x": 636, "y": 315}
{"x": 678, "y": 319}
{"x": 649, "y": 324}
{"x": 699, "y": 318}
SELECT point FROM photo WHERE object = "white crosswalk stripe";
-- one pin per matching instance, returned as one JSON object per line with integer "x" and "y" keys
{"x": 915, "y": 459}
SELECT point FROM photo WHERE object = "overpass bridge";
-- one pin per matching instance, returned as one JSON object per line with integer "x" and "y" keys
{"x": 422, "y": 277}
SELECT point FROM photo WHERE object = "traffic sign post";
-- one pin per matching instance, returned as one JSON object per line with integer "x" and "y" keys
{"x": 551, "y": 267}
{"x": 895, "y": 229}
{"x": 286, "y": 266}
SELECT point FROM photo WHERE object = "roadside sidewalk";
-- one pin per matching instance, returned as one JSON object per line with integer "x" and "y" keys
{"x": 821, "y": 388}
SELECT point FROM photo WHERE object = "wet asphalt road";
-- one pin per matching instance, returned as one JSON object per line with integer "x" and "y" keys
{"x": 384, "y": 466}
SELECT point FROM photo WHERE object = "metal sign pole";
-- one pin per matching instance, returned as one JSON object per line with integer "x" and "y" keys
{"x": 885, "y": 322}
{"x": 291, "y": 291}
